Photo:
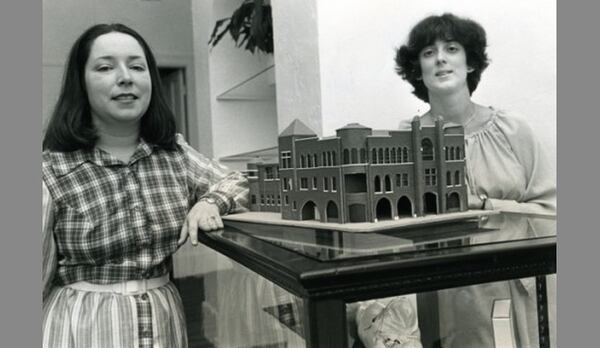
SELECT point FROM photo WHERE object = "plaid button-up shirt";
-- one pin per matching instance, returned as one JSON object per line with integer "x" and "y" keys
{"x": 115, "y": 221}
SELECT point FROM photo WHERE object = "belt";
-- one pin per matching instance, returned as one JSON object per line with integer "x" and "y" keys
{"x": 131, "y": 287}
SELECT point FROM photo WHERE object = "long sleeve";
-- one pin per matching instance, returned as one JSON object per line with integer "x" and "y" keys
{"x": 210, "y": 179}
{"x": 49, "y": 258}
{"x": 506, "y": 162}
{"x": 540, "y": 190}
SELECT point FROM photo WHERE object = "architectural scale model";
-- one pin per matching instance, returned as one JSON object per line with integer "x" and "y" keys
{"x": 361, "y": 175}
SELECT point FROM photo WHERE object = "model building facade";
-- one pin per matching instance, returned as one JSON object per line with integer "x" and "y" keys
{"x": 360, "y": 175}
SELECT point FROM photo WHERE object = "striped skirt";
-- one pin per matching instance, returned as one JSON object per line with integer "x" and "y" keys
{"x": 74, "y": 318}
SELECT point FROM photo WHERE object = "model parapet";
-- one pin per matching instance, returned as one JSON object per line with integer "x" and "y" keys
{"x": 360, "y": 175}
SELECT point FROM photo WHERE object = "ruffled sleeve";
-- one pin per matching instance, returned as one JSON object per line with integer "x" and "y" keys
{"x": 507, "y": 163}
{"x": 208, "y": 178}
{"x": 49, "y": 258}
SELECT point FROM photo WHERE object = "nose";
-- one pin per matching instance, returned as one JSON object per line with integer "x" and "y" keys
{"x": 124, "y": 76}
{"x": 440, "y": 57}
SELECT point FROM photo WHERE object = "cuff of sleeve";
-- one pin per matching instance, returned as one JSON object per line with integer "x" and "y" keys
{"x": 221, "y": 200}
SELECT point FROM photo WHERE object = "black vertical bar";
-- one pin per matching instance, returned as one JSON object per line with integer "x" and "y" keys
{"x": 325, "y": 323}
{"x": 542, "y": 309}
{"x": 429, "y": 319}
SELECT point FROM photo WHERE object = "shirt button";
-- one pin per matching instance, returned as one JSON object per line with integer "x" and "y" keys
{"x": 146, "y": 333}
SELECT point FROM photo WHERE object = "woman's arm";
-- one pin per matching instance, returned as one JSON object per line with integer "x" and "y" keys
{"x": 539, "y": 196}
{"x": 216, "y": 192}
{"x": 48, "y": 246}
{"x": 210, "y": 179}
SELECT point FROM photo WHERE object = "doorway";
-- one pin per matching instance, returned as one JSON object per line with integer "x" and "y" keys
{"x": 174, "y": 91}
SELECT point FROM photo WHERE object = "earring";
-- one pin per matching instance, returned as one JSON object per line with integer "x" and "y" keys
{"x": 470, "y": 70}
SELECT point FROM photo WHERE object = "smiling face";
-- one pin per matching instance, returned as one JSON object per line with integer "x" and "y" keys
{"x": 118, "y": 81}
{"x": 444, "y": 67}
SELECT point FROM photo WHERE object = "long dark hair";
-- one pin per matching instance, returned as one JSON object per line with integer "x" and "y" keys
{"x": 70, "y": 127}
{"x": 448, "y": 27}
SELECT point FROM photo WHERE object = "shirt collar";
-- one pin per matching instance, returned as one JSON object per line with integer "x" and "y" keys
{"x": 65, "y": 162}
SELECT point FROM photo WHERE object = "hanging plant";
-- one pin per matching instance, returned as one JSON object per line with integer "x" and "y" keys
{"x": 250, "y": 26}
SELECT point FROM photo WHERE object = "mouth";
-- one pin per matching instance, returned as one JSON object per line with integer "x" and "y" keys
{"x": 442, "y": 73}
{"x": 125, "y": 97}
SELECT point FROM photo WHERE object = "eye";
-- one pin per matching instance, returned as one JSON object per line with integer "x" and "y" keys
{"x": 428, "y": 52}
{"x": 103, "y": 68}
{"x": 138, "y": 67}
{"x": 453, "y": 48}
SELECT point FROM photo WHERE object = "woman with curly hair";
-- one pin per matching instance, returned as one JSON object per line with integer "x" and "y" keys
{"x": 506, "y": 167}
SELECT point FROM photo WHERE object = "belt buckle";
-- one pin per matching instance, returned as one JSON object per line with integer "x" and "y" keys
{"x": 135, "y": 287}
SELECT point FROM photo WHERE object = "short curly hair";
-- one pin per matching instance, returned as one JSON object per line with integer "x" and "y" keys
{"x": 447, "y": 27}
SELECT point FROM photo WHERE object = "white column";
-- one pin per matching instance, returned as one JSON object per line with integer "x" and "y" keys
{"x": 297, "y": 68}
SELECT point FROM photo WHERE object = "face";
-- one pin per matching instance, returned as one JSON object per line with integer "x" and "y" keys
{"x": 444, "y": 67}
{"x": 118, "y": 81}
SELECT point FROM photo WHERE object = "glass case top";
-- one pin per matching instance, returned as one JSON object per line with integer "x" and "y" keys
{"x": 331, "y": 245}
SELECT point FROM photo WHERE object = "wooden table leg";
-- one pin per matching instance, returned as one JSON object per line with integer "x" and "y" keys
{"x": 429, "y": 319}
{"x": 325, "y": 323}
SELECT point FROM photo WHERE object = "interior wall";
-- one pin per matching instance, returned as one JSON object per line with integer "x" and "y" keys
{"x": 357, "y": 41}
{"x": 235, "y": 125}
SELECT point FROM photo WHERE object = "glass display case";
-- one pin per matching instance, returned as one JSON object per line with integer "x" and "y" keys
{"x": 480, "y": 282}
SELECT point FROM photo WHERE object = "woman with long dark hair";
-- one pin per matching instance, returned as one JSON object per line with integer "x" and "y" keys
{"x": 121, "y": 192}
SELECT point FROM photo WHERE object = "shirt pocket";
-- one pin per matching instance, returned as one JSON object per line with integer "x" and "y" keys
{"x": 71, "y": 230}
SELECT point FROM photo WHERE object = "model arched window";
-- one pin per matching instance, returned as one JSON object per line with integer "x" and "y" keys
{"x": 388, "y": 184}
{"x": 363, "y": 156}
{"x": 446, "y": 148}
{"x": 458, "y": 153}
{"x": 324, "y": 162}
{"x": 309, "y": 160}
{"x": 448, "y": 178}
{"x": 374, "y": 156}
{"x": 427, "y": 147}
{"x": 377, "y": 184}
{"x": 393, "y": 155}
{"x": 354, "y": 156}
{"x": 387, "y": 155}
{"x": 457, "y": 180}
{"x": 316, "y": 160}
{"x": 346, "y": 156}
{"x": 399, "y": 155}
{"x": 452, "y": 153}
{"x": 332, "y": 210}
{"x": 405, "y": 154}
{"x": 302, "y": 161}
{"x": 380, "y": 157}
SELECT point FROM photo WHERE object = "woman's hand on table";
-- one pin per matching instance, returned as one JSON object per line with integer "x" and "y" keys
{"x": 203, "y": 216}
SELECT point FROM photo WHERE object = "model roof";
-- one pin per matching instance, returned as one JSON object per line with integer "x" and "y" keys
{"x": 354, "y": 126}
{"x": 297, "y": 128}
